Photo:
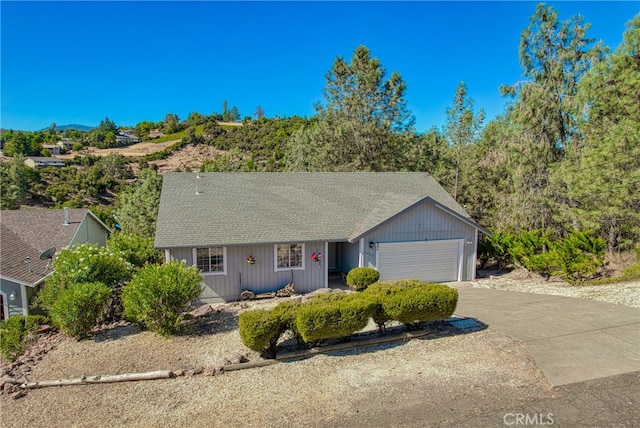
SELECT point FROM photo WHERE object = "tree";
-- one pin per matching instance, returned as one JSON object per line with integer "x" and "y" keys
{"x": 138, "y": 205}
{"x": 363, "y": 117}
{"x": 554, "y": 56}
{"x": 600, "y": 189}
{"x": 171, "y": 124}
{"x": 461, "y": 131}
{"x": 258, "y": 113}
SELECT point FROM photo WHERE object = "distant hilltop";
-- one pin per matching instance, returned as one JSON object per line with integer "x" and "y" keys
{"x": 78, "y": 127}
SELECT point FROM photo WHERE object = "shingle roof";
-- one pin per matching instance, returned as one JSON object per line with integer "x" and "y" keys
{"x": 26, "y": 233}
{"x": 242, "y": 208}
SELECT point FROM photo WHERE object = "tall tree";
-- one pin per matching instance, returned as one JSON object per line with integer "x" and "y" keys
{"x": 554, "y": 56}
{"x": 462, "y": 130}
{"x": 138, "y": 205}
{"x": 258, "y": 113}
{"x": 600, "y": 189}
{"x": 362, "y": 118}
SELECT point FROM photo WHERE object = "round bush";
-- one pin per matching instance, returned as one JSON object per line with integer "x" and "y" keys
{"x": 77, "y": 310}
{"x": 157, "y": 295}
{"x": 361, "y": 277}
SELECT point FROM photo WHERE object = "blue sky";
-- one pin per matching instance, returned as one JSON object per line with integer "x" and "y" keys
{"x": 78, "y": 62}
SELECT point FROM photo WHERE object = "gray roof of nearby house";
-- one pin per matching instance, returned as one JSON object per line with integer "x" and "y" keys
{"x": 243, "y": 208}
{"x": 27, "y": 233}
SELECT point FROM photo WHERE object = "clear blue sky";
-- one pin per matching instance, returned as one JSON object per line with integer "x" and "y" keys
{"x": 77, "y": 62}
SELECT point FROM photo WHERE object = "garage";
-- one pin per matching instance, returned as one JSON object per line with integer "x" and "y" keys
{"x": 431, "y": 261}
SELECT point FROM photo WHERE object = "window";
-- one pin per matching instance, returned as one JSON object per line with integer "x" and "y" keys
{"x": 211, "y": 260}
{"x": 289, "y": 256}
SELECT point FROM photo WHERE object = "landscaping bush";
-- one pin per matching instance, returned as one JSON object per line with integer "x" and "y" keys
{"x": 15, "y": 333}
{"x": 410, "y": 301}
{"x": 158, "y": 294}
{"x": 77, "y": 310}
{"x": 261, "y": 329}
{"x": 137, "y": 250}
{"x": 577, "y": 257}
{"x": 332, "y": 316}
{"x": 84, "y": 263}
{"x": 361, "y": 277}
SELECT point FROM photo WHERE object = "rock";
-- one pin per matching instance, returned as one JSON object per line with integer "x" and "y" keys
{"x": 178, "y": 373}
{"x": 209, "y": 371}
{"x": 218, "y": 371}
{"x": 202, "y": 311}
{"x": 238, "y": 358}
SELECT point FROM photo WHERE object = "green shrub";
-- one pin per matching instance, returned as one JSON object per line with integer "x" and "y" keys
{"x": 77, "y": 310}
{"x": 261, "y": 329}
{"x": 332, "y": 316}
{"x": 577, "y": 257}
{"x": 410, "y": 301}
{"x": 15, "y": 333}
{"x": 84, "y": 263}
{"x": 157, "y": 295}
{"x": 361, "y": 277}
{"x": 77, "y": 147}
{"x": 137, "y": 250}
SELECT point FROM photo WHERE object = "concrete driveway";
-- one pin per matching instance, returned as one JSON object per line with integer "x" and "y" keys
{"x": 571, "y": 339}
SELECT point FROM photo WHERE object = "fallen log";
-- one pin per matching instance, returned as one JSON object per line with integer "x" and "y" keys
{"x": 84, "y": 380}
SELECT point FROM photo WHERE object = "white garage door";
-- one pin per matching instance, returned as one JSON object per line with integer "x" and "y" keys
{"x": 432, "y": 261}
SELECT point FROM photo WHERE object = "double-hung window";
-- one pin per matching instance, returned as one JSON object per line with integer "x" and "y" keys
{"x": 289, "y": 257}
{"x": 211, "y": 260}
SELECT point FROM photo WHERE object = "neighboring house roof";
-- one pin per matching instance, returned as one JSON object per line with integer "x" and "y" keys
{"x": 44, "y": 161}
{"x": 243, "y": 208}
{"x": 27, "y": 233}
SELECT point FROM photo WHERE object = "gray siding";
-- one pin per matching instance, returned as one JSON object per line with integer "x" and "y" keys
{"x": 89, "y": 231}
{"x": 258, "y": 277}
{"x": 425, "y": 222}
{"x": 14, "y": 306}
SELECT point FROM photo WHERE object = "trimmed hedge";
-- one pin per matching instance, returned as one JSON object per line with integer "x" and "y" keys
{"x": 338, "y": 315}
{"x": 361, "y": 277}
{"x": 15, "y": 332}
{"x": 261, "y": 329}
{"x": 332, "y": 316}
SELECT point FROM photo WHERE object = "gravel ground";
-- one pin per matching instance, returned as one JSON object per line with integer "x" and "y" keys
{"x": 627, "y": 293}
{"x": 450, "y": 379}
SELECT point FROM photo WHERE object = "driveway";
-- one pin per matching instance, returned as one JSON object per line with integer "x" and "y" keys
{"x": 571, "y": 339}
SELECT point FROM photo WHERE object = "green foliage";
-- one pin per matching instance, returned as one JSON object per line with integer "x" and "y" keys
{"x": 15, "y": 333}
{"x": 261, "y": 329}
{"x": 363, "y": 122}
{"x": 77, "y": 147}
{"x": 84, "y": 263}
{"x": 139, "y": 203}
{"x": 158, "y": 294}
{"x": 361, "y": 277}
{"x": 411, "y": 301}
{"x": 575, "y": 258}
{"x": 79, "y": 307}
{"x": 332, "y": 316}
{"x": 137, "y": 250}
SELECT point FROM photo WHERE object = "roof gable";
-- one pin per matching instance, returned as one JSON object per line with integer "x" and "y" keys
{"x": 240, "y": 208}
{"x": 27, "y": 233}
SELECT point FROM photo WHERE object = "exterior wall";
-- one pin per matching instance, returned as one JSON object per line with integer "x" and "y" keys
{"x": 15, "y": 307}
{"x": 350, "y": 256}
{"x": 90, "y": 231}
{"x": 426, "y": 222}
{"x": 258, "y": 277}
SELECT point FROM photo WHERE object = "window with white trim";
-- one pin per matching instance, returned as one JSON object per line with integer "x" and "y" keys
{"x": 211, "y": 260}
{"x": 289, "y": 257}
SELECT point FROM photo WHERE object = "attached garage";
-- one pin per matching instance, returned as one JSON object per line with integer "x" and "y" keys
{"x": 431, "y": 261}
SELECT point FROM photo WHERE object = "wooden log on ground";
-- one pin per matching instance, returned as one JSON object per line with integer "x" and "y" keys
{"x": 84, "y": 380}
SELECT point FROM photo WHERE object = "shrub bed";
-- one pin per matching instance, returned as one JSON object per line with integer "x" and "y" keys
{"x": 15, "y": 333}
